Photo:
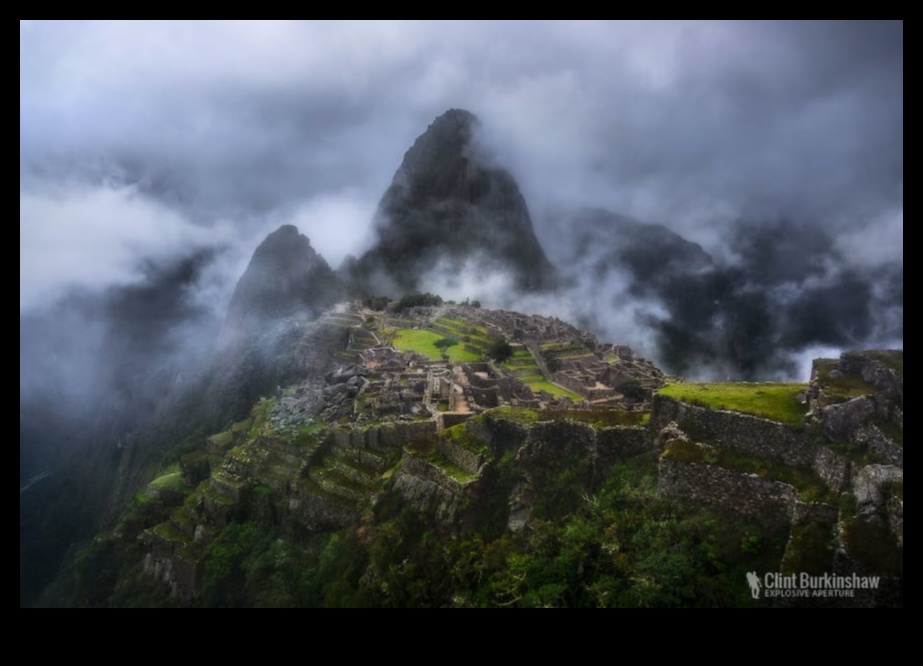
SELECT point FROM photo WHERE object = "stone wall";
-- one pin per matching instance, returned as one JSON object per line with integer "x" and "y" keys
{"x": 733, "y": 430}
{"x": 383, "y": 437}
{"x": 571, "y": 383}
{"x": 449, "y": 419}
{"x": 753, "y": 436}
{"x": 313, "y": 513}
{"x": 477, "y": 381}
{"x": 466, "y": 459}
{"x": 428, "y": 489}
{"x": 501, "y": 435}
{"x": 618, "y": 443}
{"x": 485, "y": 397}
{"x": 769, "y": 503}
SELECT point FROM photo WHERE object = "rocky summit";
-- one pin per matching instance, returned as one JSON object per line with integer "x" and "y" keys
{"x": 448, "y": 204}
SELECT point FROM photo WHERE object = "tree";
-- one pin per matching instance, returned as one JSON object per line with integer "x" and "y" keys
{"x": 443, "y": 344}
{"x": 632, "y": 390}
{"x": 500, "y": 351}
{"x": 418, "y": 300}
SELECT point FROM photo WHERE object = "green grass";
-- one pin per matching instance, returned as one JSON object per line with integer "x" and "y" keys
{"x": 844, "y": 387}
{"x": 777, "y": 402}
{"x": 459, "y": 434}
{"x": 554, "y": 390}
{"x": 171, "y": 479}
{"x": 555, "y": 346}
{"x": 424, "y": 343}
{"x": 520, "y": 358}
{"x": 599, "y": 417}
{"x": 517, "y": 414}
{"x": 222, "y": 440}
{"x": 527, "y": 379}
{"x": 464, "y": 325}
{"x": 167, "y": 530}
{"x": 259, "y": 416}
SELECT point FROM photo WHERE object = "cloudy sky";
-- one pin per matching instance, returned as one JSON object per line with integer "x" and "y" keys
{"x": 139, "y": 140}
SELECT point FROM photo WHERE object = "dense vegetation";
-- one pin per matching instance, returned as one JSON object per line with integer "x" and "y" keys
{"x": 620, "y": 546}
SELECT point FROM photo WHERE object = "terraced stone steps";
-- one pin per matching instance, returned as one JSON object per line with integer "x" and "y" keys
{"x": 335, "y": 483}
{"x": 224, "y": 488}
{"x": 310, "y": 487}
{"x": 355, "y": 471}
{"x": 371, "y": 458}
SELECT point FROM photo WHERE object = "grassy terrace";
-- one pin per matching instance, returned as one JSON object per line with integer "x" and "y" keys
{"x": 423, "y": 342}
{"x": 599, "y": 418}
{"x": 172, "y": 480}
{"x": 777, "y": 402}
{"x": 520, "y": 360}
{"x": 522, "y": 365}
{"x": 476, "y": 336}
{"x": 556, "y": 391}
{"x": 460, "y": 325}
{"x": 426, "y": 450}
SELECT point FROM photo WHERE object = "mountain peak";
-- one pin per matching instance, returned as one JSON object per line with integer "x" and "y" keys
{"x": 285, "y": 277}
{"x": 447, "y": 203}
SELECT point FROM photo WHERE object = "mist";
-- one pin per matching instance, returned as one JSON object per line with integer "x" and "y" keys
{"x": 155, "y": 157}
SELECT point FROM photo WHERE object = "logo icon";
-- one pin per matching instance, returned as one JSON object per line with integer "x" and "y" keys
{"x": 755, "y": 584}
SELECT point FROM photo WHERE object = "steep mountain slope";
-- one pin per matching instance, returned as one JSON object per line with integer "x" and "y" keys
{"x": 286, "y": 278}
{"x": 447, "y": 202}
{"x": 650, "y": 253}
{"x": 402, "y": 480}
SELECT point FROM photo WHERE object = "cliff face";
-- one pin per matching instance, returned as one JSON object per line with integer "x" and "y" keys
{"x": 446, "y": 205}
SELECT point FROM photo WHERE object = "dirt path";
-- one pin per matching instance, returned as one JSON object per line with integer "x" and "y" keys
{"x": 461, "y": 380}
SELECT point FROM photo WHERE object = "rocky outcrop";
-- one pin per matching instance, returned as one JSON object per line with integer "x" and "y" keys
{"x": 855, "y": 421}
{"x": 872, "y": 487}
{"x": 859, "y": 400}
{"x": 872, "y": 368}
{"x": 429, "y": 489}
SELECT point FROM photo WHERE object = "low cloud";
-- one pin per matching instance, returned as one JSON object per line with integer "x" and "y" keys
{"x": 93, "y": 238}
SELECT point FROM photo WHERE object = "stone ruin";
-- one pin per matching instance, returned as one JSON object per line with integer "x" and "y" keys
{"x": 571, "y": 358}
{"x": 377, "y": 382}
